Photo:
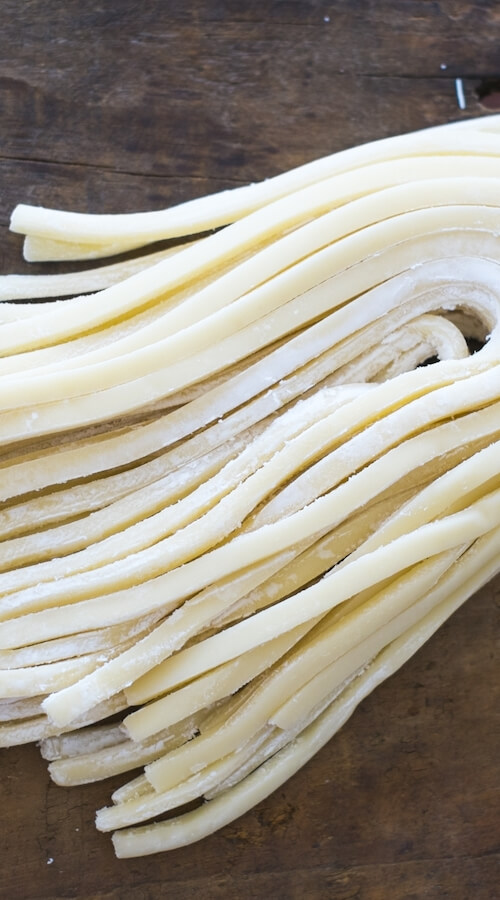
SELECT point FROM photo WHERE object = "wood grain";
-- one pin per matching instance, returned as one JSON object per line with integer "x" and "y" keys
{"x": 125, "y": 106}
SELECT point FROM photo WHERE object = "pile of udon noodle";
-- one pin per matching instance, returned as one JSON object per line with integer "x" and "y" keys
{"x": 233, "y": 497}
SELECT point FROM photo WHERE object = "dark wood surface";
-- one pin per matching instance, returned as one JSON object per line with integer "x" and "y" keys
{"x": 123, "y": 106}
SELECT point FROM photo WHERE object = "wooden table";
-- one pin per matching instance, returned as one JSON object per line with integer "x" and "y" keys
{"x": 125, "y": 106}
